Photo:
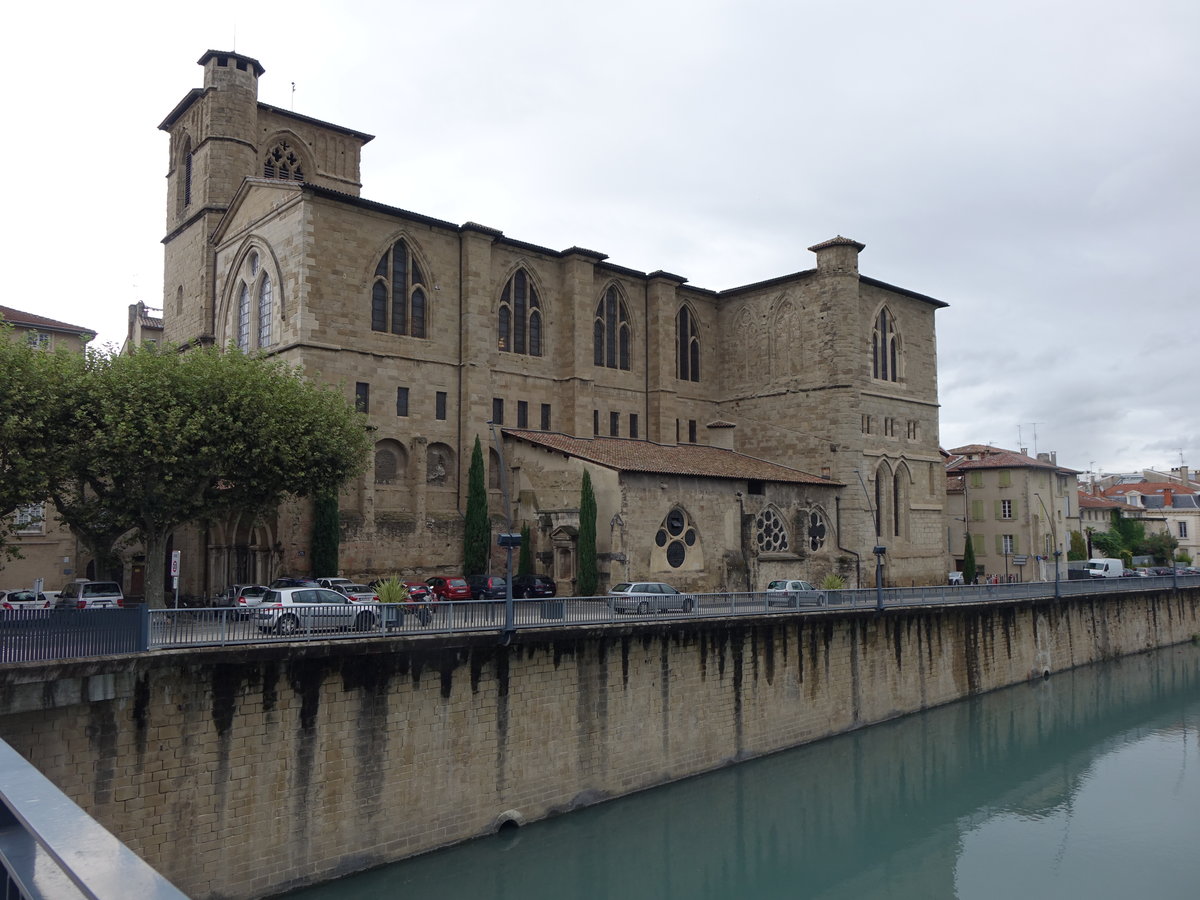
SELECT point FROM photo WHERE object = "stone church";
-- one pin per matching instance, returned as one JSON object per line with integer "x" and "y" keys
{"x": 778, "y": 429}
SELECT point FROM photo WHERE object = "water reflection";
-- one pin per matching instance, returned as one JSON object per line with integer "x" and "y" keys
{"x": 1085, "y": 785}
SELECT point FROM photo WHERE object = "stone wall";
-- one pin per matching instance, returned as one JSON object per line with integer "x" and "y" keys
{"x": 242, "y": 772}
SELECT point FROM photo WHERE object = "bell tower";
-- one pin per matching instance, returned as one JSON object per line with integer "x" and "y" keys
{"x": 213, "y": 149}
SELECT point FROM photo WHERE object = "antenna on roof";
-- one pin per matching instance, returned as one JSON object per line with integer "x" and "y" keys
{"x": 293, "y": 96}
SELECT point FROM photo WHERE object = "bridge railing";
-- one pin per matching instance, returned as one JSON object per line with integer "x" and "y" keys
{"x": 50, "y": 849}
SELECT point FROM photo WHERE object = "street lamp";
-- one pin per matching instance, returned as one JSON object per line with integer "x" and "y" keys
{"x": 507, "y": 540}
{"x": 878, "y": 550}
{"x": 1054, "y": 537}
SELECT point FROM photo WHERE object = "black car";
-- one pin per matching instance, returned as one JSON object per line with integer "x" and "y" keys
{"x": 289, "y": 581}
{"x": 534, "y": 586}
{"x": 487, "y": 587}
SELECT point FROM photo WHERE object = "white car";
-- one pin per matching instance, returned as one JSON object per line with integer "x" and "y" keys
{"x": 794, "y": 592}
{"x": 648, "y": 596}
{"x": 23, "y": 600}
{"x": 289, "y": 610}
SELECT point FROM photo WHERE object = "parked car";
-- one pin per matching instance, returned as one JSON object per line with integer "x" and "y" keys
{"x": 359, "y": 593}
{"x": 333, "y": 582}
{"x": 454, "y": 587}
{"x": 287, "y": 581}
{"x": 292, "y": 609}
{"x": 534, "y": 586}
{"x": 487, "y": 587}
{"x": 794, "y": 592}
{"x": 90, "y": 595}
{"x": 243, "y": 596}
{"x": 23, "y": 600}
{"x": 648, "y": 596}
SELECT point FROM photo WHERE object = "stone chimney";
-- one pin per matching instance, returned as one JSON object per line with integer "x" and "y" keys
{"x": 720, "y": 434}
{"x": 837, "y": 256}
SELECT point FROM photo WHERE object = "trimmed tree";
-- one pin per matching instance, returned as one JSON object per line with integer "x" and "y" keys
{"x": 525, "y": 560}
{"x": 969, "y": 569}
{"x": 477, "y": 530}
{"x": 326, "y": 534}
{"x": 587, "y": 579}
{"x": 162, "y": 438}
{"x": 1078, "y": 550}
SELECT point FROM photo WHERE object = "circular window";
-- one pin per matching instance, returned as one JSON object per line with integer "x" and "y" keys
{"x": 661, "y": 538}
{"x": 689, "y": 537}
{"x": 770, "y": 535}
{"x": 675, "y": 522}
{"x": 675, "y": 554}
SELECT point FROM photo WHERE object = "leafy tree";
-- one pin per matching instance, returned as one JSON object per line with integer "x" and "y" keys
{"x": 969, "y": 568}
{"x": 162, "y": 438}
{"x": 477, "y": 530}
{"x": 1078, "y": 549}
{"x": 525, "y": 560}
{"x": 588, "y": 578}
{"x": 326, "y": 534}
{"x": 1161, "y": 546}
{"x": 35, "y": 394}
{"x": 1122, "y": 540}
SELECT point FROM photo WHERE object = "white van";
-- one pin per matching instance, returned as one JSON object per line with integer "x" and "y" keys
{"x": 1105, "y": 568}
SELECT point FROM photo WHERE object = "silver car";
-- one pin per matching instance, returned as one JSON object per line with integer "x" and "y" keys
{"x": 648, "y": 596}
{"x": 289, "y": 610}
{"x": 794, "y": 592}
{"x": 90, "y": 595}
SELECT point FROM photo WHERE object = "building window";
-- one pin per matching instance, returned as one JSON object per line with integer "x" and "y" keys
{"x": 884, "y": 352}
{"x": 610, "y": 331}
{"x": 633, "y": 425}
{"x": 1182, "y": 529}
{"x": 402, "y": 401}
{"x": 519, "y": 322}
{"x": 255, "y": 305}
{"x": 756, "y": 487}
{"x": 545, "y": 417}
{"x": 38, "y": 340}
{"x": 676, "y": 535}
{"x": 595, "y": 421}
{"x": 687, "y": 349}
{"x": 1006, "y": 509}
{"x": 866, "y": 424}
{"x": 362, "y": 397}
{"x": 889, "y": 426}
{"x": 817, "y": 531}
{"x": 522, "y": 414}
{"x": 912, "y": 429}
{"x": 692, "y": 431}
{"x": 283, "y": 164}
{"x": 614, "y": 424}
{"x": 976, "y": 479}
{"x": 439, "y": 405}
{"x": 497, "y": 411}
{"x": 398, "y": 298}
{"x": 1008, "y": 544}
{"x": 770, "y": 534}
{"x": 29, "y": 519}
{"x": 1005, "y": 478}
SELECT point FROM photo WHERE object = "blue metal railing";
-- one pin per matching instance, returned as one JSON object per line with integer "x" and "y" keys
{"x": 50, "y": 849}
{"x": 29, "y": 635}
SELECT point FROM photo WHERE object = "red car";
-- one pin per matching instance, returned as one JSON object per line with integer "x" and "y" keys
{"x": 454, "y": 587}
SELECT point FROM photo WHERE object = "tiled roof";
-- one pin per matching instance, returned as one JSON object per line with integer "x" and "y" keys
{"x": 983, "y": 456}
{"x": 29, "y": 320}
{"x": 1092, "y": 501}
{"x": 625, "y": 455}
{"x": 1148, "y": 488}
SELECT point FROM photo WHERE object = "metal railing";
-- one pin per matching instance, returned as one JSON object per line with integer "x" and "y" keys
{"x": 30, "y": 635}
{"x": 50, "y": 849}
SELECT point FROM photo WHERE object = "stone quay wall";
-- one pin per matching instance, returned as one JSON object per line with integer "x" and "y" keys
{"x": 242, "y": 772}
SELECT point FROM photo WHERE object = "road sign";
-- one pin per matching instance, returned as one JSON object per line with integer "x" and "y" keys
{"x": 1020, "y": 560}
{"x": 175, "y": 563}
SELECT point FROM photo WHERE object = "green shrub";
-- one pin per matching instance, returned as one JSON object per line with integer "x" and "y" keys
{"x": 833, "y": 582}
{"x": 393, "y": 590}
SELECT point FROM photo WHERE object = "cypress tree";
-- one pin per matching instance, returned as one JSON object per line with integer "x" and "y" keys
{"x": 326, "y": 534}
{"x": 525, "y": 561}
{"x": 587, "y": 576}
{"x": 969, "y": 561}
{"x": 477, "y": 530}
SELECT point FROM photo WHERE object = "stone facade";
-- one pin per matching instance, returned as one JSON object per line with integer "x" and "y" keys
{"x": 437, "y": 329}
{"x": 285, "y": 765}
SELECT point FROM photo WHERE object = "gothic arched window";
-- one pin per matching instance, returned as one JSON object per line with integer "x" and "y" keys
{"x": 687, "y": 350}
{"x": 255, "y": 305}
{"x": 884, "y": 348}
{"x": 398, "y": 298}
{"x": 519, "y": 323}
{"x": 611, "y": 332}
{"x": 283, "y": 164}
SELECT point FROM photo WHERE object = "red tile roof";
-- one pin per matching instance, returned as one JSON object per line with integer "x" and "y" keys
{"x": 29, "y": 320}
{"x": 1150, "y": 488}
{"x": 625, "y": 455}
{"x": 1092, "y": 501}
{"x": 983, "y": 456}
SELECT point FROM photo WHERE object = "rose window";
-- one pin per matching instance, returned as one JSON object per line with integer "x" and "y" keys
{"x": 770, "y": 533}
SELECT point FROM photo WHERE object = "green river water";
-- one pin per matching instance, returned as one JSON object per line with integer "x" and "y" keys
{"x": 1085, "y": 785}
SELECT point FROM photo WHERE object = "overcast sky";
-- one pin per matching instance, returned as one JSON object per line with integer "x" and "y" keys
{"x": 1033, "y": 163}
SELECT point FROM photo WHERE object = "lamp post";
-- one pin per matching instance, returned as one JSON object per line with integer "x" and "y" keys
{"x": 506, "y": 540}
{"x": 879, "y": 550}
{"x": 1054, "y": 537}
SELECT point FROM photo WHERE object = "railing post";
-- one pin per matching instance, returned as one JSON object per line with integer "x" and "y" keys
{"x": 144, "y": 627}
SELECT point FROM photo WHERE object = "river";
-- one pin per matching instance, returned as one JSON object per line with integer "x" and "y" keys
{"x": 1084, "y": 785}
